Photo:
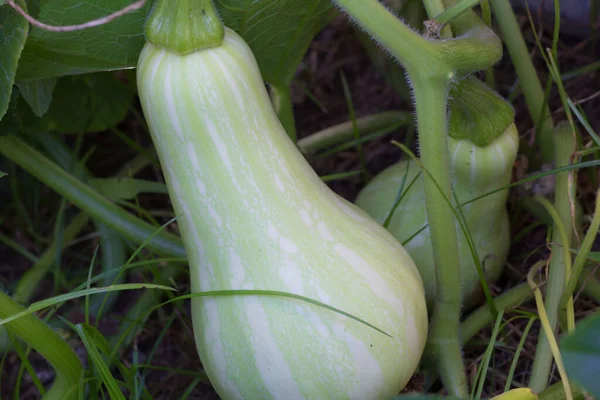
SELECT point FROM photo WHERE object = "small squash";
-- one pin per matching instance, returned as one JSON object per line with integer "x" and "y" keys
{"x": 483, "y": 149}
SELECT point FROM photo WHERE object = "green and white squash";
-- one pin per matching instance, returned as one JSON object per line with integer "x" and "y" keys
{"x": 254, "y": 215}
{"x": 477, "y": 168}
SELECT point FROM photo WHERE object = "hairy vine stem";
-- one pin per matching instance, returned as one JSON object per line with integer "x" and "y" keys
{"x": 432, "y": 65}
{"x": 78, "y": 27}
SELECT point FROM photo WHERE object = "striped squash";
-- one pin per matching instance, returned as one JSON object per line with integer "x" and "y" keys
{"x": 477, "y": 170}
{"x": 254, "y": 215}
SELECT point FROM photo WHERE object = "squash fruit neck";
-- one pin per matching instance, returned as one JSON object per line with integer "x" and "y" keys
{"x": 184, "y": 26}
{"x": 477, "y": 113}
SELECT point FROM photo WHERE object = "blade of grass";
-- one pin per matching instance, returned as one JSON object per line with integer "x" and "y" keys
{"x": 487, "y": 356}
{"x": 52, "y": 301}
{"x": 547, "y": 327}
{"x": 96, "y": 359}
{"x": 519, "y": 349}
{"x": 188, "y": 391}
{"x": 582, "y": 255}
{"x": 355, "y": 132}
{"x": 26, "y": 366}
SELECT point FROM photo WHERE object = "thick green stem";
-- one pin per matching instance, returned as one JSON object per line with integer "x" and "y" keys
{"x": 30, "y": 279}
{"x": 89, "y": 200}
{"x": 476, "y": 46}
{"x": 184, "y": 26}
{"x": 431, "y": 102}
{"x": 482, "y": 317}
{"x": 111, "y": 244}
{"x": 411, "y": 49}
{"x": 281, "y": 98}
{"x": 49, "y": 344}
{"x": 515, "y": 296}
{"x": 345, "y": 131}
{"x": 528, "y": 78}
{"x": 474, "y": 50}
{"x": 564, "y": 147}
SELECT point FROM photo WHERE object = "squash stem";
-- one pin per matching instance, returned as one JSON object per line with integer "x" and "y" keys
{"x": 49, "y": 344}
{"x": 89, "y": 200}
{"x": 409, "y": 47}
{"x": 431, "y": 104}
{"x": 564, "y": 147}
{"x": 528, "y": 78}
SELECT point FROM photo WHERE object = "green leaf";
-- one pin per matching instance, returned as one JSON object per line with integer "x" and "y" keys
{"x": 581, "y": 354}
{"x": 278, "y": 31}
{"x": 38, "y": 94}
{"x": 82, "y": 103}
{"x": 115, "y": 45}
{"x": 3, "y": 174}
{"x": 126, "y": 188}
{"x": 13, "y": 34}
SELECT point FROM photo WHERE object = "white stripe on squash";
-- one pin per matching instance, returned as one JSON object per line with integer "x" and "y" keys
{"x": 261, "y": 218}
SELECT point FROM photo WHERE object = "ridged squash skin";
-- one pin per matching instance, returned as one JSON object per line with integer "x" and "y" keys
{"x": 476, "y": 171}
{"x": 253, "y": 214}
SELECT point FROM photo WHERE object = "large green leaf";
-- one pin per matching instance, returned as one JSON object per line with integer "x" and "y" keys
{"x": 278, "y": 31}
{"x": 82, "y": 103}
{"x": 115, "y": 45}
{"x": 13, "y": 33}
{"x": 581, "y": 354}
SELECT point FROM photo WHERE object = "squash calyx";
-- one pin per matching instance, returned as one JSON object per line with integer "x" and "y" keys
{"x": 184, "y": 26}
